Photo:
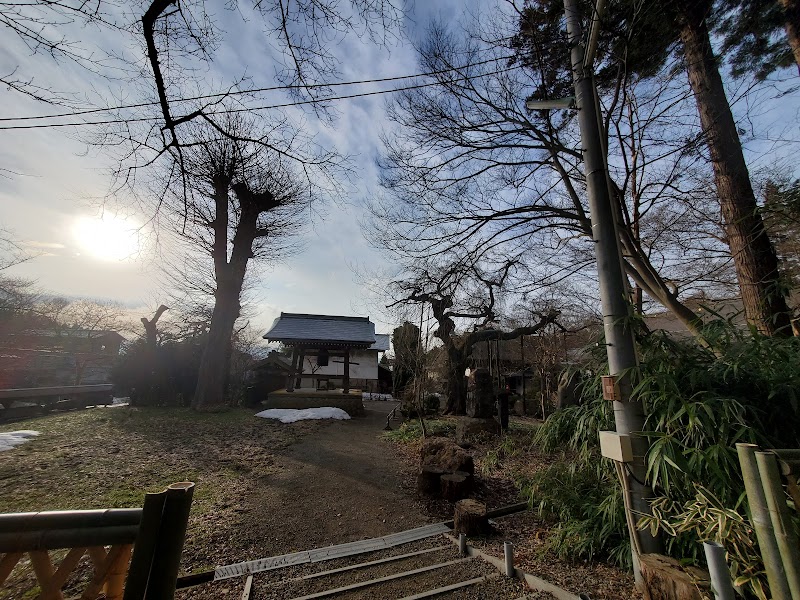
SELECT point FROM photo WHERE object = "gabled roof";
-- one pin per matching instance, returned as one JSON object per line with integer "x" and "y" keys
{"x": 293, "y": 328}
{"x": 381, "y": 342}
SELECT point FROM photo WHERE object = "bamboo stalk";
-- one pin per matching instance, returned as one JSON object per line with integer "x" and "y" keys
{"x": 43, "y": 568}
{"x": 721, "y": 584}
{"x": 776, "y": 576}
{"x": 102, "y": 570}
{"x": 7, "y": 564}
{"x": 114, "y": 587}
{"x": 781, "y": 519}
{"x": 166, "y": 560}
{"x": 146, "y": 541}
{"x": 69, "y": 519}
{"x": 67, "y": 566}
{"x": 32, "y": 541}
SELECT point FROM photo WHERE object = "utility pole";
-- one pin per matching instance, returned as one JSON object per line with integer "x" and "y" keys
{"x": 620, "y": 344}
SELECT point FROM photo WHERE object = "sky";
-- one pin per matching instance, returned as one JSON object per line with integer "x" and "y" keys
{"x": 51, "y": 182}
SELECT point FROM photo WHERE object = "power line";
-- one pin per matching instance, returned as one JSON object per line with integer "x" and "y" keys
{"x": 256, "y": 108}
{"x": 256, "y": 90}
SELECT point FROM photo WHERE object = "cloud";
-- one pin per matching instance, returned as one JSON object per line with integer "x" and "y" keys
{"x": 47, "y": 245}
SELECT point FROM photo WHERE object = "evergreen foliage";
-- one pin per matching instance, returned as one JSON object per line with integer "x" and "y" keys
{"x": 699, "y": 405}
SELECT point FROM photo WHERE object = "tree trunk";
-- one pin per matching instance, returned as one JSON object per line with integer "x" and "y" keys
{"x": 429, "y": 480}
{"x": 212, "y": 376}
{"x": 455, "y": 486}
{"x": 791, "y": 10}
{"x": 456, "y": 389}
{"x": 753, "y": 255}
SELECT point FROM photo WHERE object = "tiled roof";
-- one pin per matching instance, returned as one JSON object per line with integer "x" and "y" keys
{"x": 292, "y": 327}
{"x": 381, "y": 342}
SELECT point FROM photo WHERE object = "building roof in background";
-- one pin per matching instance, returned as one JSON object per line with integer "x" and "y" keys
{"x": 293, "y": 329}
{"x": 381, "y": 342}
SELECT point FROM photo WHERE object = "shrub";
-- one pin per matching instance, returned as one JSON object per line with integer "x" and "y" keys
{"x": 699, "y": 403}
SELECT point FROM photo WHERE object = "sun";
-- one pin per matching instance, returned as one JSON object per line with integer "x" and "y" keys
{"x": 109, "y": 237}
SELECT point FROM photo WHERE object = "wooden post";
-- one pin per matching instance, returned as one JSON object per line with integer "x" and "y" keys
{"x": 346, "y": 382}
{"x": 300, "y": 363}
{"x": 290, "y": 379}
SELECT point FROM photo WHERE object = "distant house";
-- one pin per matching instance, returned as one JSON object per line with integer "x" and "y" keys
{"x": 46, "y": 357}
{"x": 330, "y": 352}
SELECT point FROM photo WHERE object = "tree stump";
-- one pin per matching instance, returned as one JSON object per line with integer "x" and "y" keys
{"x": 456, "y": 486}
{"x": 664, "y": 578}
{"x": 429, "y": 480}
{"x": 470, "y": 518}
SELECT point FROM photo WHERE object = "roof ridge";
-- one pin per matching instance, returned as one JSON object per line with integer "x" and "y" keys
{"x": 326, "y": 317}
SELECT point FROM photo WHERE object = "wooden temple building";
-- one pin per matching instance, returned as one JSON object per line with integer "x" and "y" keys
{"x": 329, "y": 354}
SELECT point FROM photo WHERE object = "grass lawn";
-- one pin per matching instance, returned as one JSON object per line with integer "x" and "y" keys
{"x": 109, "y": 458}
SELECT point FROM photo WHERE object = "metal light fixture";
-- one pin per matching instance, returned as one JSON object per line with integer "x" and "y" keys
{"x": 559, "y": 104}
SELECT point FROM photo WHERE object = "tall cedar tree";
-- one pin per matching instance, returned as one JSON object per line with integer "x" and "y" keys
{"x": 760, "y": 36}
{"x": 642, "y": 41}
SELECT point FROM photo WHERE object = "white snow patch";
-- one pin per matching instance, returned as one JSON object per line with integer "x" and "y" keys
{"x": 9, "y": 439}
{"x": 290, "y": 415}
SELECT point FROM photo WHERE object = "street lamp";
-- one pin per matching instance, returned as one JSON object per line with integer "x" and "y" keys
{"x": 561, "y": 103}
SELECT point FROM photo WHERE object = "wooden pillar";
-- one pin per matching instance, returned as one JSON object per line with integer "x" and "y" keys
{"x": 301, "y": 362}
{"x": 346, "y": 382}
{"x": 290, "y": 379}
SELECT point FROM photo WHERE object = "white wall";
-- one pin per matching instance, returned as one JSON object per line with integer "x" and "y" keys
{"x": 367, "y": 367}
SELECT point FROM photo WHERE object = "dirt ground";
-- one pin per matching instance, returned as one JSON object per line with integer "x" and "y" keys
{"x": 262, "y": 488}
{"x": 496, "y": 471}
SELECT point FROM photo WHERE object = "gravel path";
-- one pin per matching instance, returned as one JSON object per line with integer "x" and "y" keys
{"x": 339, "y": 484}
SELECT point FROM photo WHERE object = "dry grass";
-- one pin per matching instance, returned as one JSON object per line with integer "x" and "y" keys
{"x": 109, "y": 458}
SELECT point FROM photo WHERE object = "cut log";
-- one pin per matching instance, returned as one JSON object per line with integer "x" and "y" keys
{"x": 456, "y": 486}
{"x": 663, "y": 578}
{"x": 428, "y": 480}
{"x": 470, "y": 518}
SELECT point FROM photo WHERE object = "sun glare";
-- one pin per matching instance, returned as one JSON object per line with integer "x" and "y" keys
{"x": 107, "y": 238}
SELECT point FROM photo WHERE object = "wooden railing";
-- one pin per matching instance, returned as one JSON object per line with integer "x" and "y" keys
{"x": 39, "y": 401}
{"x": 134, "y": 552}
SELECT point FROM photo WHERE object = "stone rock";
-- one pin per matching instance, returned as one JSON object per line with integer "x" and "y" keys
{"x": 443, "y": 453}
{"x": 480, "y": 399}
{"x": 468, "y": 428}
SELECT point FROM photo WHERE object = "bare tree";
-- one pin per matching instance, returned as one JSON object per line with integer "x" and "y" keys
{"x": 241, "y": 202}
{"x": 88, "y": 331}
{"x": 50, "y": 28}
{"x": 468, "y": 166}
{"x": 466, "y": 293}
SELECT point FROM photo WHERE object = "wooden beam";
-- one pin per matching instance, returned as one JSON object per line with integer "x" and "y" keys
{"x": 449, "y": 588}
{"x": 248, "y": 586}
{"x": 290, "y": 379}
{"x": 7, "y": 564}
{"x": 371, "y": 582}
{"x": 300, "y": 363}
{"x": 346, "y": 382}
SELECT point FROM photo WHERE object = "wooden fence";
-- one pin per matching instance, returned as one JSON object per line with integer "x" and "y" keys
{"x": 134, "y": 552}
